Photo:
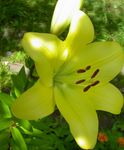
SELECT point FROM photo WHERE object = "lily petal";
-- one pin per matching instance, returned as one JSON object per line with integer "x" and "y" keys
{"x": 46, "y": 50}
{"x": 63, "y": 13}
{"x": 37, "y": 102}
{"x": 79, "y": 114}
{"x": 40, "y": 46}
{"x": 81, "y": 31}
{"x": 107, "y": 57}
{"x": 107, "y": 98}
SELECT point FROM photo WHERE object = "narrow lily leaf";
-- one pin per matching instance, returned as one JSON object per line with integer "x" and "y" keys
{"x": 36, "y": 102}
{"x": 7, "y": 99}
{"x": 34, "y": 132}
{"x": 27, "y": 128}
{"x": 20, "y": 80}
{"x": 63, "y": 14}
{"x": 26, "y": 125}
{"x": 14, "y": 146}
{"x": 17, "y": 93}
{"x": 4, "y": 110}
{"x": 37, "y": 132}
{"x": 5, "y": 123}
{"x": 18, "y": 139}
{"x": 107, "y": 98}
{"x": 4, "y": 139}
{"x": 79, "y": 114}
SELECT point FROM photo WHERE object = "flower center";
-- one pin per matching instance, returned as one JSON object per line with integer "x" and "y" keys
{"x": 92, "y": 82}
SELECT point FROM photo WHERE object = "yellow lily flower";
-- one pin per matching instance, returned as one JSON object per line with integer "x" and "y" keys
{"x": 74, "y": 75}
{"x": 63, "y": 14}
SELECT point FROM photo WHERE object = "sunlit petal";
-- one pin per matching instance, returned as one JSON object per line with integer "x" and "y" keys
{"x": 40, "y": 46}
{"x": 107, "y": 57}
{"x": 47, "y": 51}
{"x": 81, "y": 31}
{"x": 63, "y": 13}
{"x": 107, "y": 98}
{"x": 78, "y": 113}
{"x": 37, "y": 102}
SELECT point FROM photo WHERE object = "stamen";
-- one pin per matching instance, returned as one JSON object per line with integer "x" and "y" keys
{"x": 81, "y": 71}
{"x": 95, "y": 73}
{"x": 88, "y": 67}
{"x": 87, "y": 88}
{"x": 80, "y": 81}
{"x": 95, "y": 83}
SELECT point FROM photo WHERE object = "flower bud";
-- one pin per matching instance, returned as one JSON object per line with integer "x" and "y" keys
{"x": 63, "y": 13}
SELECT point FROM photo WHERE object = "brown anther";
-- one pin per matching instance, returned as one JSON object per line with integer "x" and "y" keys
{"x": 88, "y": 67}
{"x": 95, "y": 83}
{"x": 95, "y": 73}
{"x": 87, "y": 88}
{"x": 81, "y": 71}
{"x": 80, "y": 81}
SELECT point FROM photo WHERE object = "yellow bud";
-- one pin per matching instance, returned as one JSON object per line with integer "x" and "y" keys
{"x": 63, "y": 13}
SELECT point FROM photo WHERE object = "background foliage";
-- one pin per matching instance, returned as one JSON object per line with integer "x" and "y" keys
{"x": 50, "y": 133}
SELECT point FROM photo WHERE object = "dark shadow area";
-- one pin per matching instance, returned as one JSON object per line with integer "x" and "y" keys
{"x": 20, "y": 16}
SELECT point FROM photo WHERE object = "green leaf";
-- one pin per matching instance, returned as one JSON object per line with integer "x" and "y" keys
{"x": 7, "y": 99}
{"x": 26, "y": 125}
{"x": 18, "y": 139}
{"x": 37, "y": 132}
{"x": 4, "y": 138}
{"x": 60, "y": 145}
{"x": 20, "y": 80}
{"x": 5, "y": 123}
{"x": 4, "y": 110}
{"x": 3, "y": 147}
{"x": 14, "y": 146}
{"x": 34, "y": 132}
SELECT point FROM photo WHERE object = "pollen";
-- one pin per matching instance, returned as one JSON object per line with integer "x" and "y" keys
{"x": 88, "y": 67}
{"x": 80, "y": 81}
{"x": 95, "y": 73}
{"x": 90, "y": 82}
{"x": 95, "y": 83}
{"x": 87, "y": 88}
{"x": 81, "y": 71}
